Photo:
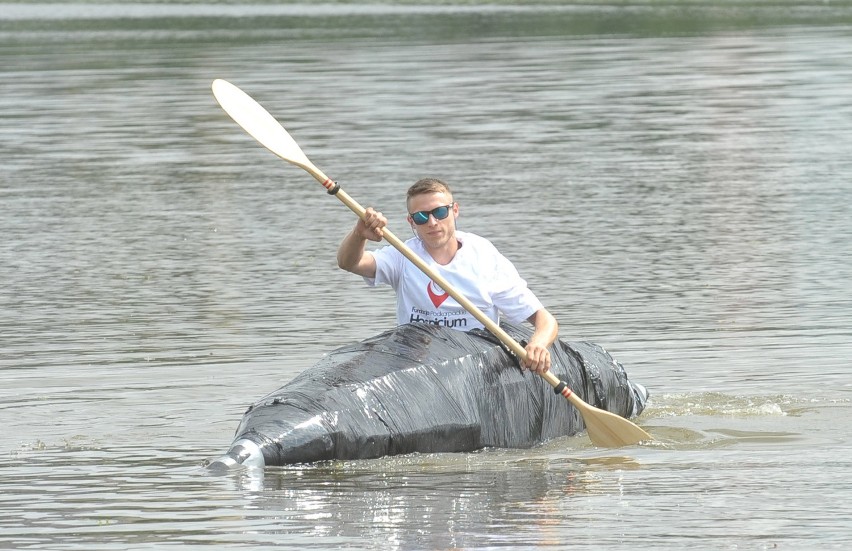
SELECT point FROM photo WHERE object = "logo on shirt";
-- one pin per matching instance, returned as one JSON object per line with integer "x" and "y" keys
{"x": 436, "y": 298}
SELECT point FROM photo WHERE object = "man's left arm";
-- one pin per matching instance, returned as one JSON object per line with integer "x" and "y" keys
{"x": 546, "y": 330}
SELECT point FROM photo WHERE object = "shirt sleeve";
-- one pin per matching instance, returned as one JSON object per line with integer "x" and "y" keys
{"x": 388, "y": 267}
{"x": 510, "y": 293}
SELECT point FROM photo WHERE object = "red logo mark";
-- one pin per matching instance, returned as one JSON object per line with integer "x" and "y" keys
{"x": 437, "y": 299}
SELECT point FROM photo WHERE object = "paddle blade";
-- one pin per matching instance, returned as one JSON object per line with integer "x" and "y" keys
{"x": 259, "y": 123}
{"x": 608, "y": 430}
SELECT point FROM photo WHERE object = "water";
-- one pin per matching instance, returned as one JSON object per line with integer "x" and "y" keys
{"x": 671, "y": 179}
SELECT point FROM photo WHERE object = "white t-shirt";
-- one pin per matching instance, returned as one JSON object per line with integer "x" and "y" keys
{"x": 478, "y": 271}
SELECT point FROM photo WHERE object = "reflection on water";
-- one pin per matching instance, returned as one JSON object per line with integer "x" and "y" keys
{"x": 671, "y": 179}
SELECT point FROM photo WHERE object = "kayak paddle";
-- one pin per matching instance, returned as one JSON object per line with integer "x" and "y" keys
{"x": 605, "y": 429}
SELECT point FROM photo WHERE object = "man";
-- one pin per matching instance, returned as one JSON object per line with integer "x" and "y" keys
{"x": 469, "y": 262}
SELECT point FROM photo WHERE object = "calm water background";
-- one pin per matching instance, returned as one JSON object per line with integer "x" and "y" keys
{"x": 673, "y": 180}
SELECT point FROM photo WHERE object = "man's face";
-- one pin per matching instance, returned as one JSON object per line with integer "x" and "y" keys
{"x": 434, "y": 232}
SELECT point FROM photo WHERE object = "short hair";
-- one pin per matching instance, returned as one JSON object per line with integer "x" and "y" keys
{"x": 427, "y": 185}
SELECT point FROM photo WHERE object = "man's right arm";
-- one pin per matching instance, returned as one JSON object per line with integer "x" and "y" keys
{"x": 352, "y": 255}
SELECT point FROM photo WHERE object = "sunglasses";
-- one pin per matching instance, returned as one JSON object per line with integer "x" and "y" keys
{"x": 422, "y": 216}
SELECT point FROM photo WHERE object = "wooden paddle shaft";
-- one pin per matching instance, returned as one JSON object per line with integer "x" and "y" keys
{"x": 400, "y": 245}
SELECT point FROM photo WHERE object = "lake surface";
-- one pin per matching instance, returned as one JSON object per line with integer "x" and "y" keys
{"x": 674, "y": 180}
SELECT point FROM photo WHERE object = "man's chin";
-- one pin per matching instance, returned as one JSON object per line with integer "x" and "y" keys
{"x": 435, "y": 241}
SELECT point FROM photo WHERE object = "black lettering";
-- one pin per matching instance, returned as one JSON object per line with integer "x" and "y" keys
{"x": 452, "y": 323}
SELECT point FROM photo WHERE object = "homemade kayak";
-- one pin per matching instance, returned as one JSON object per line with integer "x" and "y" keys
{"x": 425, "y": 388}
